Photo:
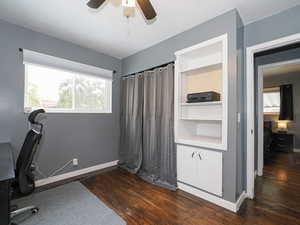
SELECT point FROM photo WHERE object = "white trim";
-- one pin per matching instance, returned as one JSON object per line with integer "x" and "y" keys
{"x": 250, "y": 101}
{"x": 50, "y": 180}
{"x": 260, "y": 125}
{"x": 256, "y": 173}
{"x": 234, "y": 207}
{"x": 202, "y": 44}
{"x": 225, "y": 84}
{"x": 250, "y": 123}
{"x": 296, "y": 150}
{"x": 71, "y": 111}
{"x": 240, "y": 201}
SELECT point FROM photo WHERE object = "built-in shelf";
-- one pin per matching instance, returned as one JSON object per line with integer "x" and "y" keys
{"x": 201, "y": 119}
{"x": 201, "y": 141}
{"x": 206, "y": 65}
{"x": 202, "y": 103}
{"x": 211, "y": 111}
{"x": 202, "y": 68}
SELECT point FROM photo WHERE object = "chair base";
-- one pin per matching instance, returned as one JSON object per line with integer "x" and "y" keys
{"x": 32, "y": 209}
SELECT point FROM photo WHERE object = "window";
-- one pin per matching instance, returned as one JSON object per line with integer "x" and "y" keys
{"x": 272, "y": 101}
{"x": 58, "y": 90}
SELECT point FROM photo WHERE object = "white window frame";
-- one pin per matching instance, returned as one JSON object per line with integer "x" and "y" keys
{"x": 108, "y": 91}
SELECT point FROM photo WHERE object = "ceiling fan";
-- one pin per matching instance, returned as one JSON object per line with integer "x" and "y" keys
{"x": 145, "y": 6}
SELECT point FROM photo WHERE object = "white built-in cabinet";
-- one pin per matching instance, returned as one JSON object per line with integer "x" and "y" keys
{"x": 201, "y": 128}
{"x": 200, "y": 168}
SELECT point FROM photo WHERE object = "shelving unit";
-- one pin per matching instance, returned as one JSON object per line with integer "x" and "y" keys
{"x": 202, "y": 68}
{"x": 202, "y": 103}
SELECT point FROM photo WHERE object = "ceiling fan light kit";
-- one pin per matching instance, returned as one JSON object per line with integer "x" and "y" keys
{"x": 128, "y": 3}
{"x": 145, "y": 5}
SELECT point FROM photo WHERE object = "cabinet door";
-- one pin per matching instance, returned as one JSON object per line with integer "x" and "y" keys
{"x": 186, "y": 165}
{"x": 209, "y": 171}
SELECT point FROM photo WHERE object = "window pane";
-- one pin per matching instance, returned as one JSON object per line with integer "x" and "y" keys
{"x": 48, "y": 88}
{"x": 272, "y": 102}
{"x": 90, "y": 93}
{"x": 65, "y": 91}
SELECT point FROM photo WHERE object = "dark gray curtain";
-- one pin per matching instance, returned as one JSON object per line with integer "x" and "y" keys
{"x": 131, "y": 123}
{"x": 159, "y": 155}
{"x": 286, "y": 102}
{"x": 158, "y": 164}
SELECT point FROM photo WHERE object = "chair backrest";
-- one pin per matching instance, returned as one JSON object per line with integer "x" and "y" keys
{"x": 24, "y": 171}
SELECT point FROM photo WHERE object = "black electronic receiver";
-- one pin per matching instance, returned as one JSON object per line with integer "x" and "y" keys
{"x": 209, "y": 96}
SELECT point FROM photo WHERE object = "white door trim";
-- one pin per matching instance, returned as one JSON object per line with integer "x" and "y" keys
{"x": 250, "y": 100}
{"x": 260, "y": 126}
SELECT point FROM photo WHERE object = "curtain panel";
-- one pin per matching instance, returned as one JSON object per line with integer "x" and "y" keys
{"x": 156, "y": 146}
{"x": 286, "y": 102}
{"x": 131, "y": 123}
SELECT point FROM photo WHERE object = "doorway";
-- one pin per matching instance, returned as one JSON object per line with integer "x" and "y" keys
{"x": 275, "y": 134}
{"x": 251, "y": 131}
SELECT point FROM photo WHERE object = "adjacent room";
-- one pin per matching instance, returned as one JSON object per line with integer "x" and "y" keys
{"x": 277, "y": 154}
{"x": 148, "y": 112}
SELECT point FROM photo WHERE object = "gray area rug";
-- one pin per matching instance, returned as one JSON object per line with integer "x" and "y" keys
{"x": 70, "y": 204}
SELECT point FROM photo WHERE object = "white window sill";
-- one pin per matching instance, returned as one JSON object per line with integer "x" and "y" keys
{"x": 71, "y": 112}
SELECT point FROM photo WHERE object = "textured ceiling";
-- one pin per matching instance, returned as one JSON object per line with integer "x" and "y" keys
{"x": 106, "y": 30}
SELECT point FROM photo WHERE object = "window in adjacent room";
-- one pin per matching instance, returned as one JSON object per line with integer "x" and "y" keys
{"x": 59, "y": 89}
{"x": 271, "y": 101}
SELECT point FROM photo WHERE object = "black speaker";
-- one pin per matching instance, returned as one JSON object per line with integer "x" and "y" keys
{"x": 209, "y": 96}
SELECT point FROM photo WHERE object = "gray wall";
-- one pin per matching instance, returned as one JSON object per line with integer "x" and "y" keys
{"x": 92, "y": 138}
{"x": 241, "y": 167}
{"x": 294, "y": 79}
{"x": 273, "y": 27}
{"x": 164, "y": 52}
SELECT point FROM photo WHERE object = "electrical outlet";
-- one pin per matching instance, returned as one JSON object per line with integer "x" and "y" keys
{"x": 75, "y": 162}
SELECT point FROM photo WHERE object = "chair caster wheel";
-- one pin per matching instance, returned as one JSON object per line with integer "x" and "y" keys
{"x": 35, "y": 210}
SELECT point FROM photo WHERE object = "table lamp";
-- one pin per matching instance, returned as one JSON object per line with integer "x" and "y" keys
{"x": 282, "y": 126}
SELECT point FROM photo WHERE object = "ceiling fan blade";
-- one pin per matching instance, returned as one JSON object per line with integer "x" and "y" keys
{"x": 95, "y": 4}
{"x": 147, "y": 9}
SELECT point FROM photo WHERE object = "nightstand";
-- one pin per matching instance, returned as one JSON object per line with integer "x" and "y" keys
{"x": 283, "y": 142}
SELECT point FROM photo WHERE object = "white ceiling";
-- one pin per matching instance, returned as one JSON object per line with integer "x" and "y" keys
{"x": 106, "y": 30}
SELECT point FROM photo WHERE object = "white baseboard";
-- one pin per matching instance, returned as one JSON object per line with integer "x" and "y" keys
{"x": 240, "y": 201}
{"x": 76, "y": 173}
{"x": 296, "y": 150}
{"x": 234, "y": 207}
{"x": 258, "y": 172}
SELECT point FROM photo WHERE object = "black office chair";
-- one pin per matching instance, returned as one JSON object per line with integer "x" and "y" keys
{"x": 24, "y": 182}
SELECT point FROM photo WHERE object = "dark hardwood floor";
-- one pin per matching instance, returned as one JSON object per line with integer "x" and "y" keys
{"x": 277, "y": 199}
